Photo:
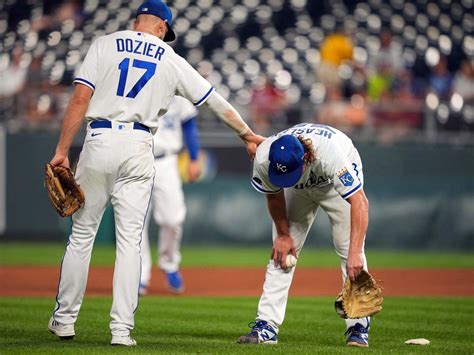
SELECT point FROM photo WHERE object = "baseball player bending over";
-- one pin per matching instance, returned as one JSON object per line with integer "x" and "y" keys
{"x": 167, "y": 204}
{"x": 124, "y": 85}
{"x": 302, "y": 169}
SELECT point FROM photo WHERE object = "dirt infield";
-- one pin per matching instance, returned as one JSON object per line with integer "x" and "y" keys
{"x": 42, "y": 281}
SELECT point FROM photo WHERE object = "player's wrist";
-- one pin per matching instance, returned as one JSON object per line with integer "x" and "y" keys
{"x": 245, "y": 133}
{"x": 61, "y": 151}
{"x": 354, "y": 252}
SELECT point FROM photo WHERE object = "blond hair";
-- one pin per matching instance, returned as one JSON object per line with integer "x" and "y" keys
{"x": 309, "y": 153}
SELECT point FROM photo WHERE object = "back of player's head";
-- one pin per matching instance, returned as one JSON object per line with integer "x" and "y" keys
{"x": 159, "y": 9}
{"x": 286, "y": 161}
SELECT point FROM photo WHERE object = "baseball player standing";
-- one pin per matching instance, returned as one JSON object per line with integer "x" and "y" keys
{"x": 167, "y": 204}
{"x": 300, "y": 170}
{"x": 124, "y": 85}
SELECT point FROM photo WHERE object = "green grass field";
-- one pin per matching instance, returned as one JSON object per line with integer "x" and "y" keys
{"x": 51, "y": 254}
{"x": 212, "y": 325}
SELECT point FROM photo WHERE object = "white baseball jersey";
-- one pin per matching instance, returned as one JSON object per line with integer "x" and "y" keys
{"x": 144, "y": 78}
{"x": 169, "y": 137}
{"x": 334, "y": 164}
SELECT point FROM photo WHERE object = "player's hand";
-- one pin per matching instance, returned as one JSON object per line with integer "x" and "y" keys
{"x": 282, "y": 246}
{"x": 252, "y": 141}
{"x": 194, "y": 170}
{"x": 354, "y": 265}
{"x": 60, "y": 159}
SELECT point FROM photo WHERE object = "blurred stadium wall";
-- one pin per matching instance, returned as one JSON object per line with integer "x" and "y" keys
{"x": 421, "y": 196}
{"x": 397, "y": 76}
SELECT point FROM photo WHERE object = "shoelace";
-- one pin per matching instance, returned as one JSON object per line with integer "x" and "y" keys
{"x": 257, "y": 325}
{"x": 354, "y": 331}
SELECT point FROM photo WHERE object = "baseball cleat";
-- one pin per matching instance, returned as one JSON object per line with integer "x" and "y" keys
{"x": 123, "y": 340}
{"x": 262, "y": 333}
{"x": 174, "y": 281}
{"x": 357, "y": 335}
{"x": 63, "y": 331}
{"x": 143, "y": 289}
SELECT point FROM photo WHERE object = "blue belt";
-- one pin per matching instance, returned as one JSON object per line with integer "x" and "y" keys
{"x": 108, "y": 124}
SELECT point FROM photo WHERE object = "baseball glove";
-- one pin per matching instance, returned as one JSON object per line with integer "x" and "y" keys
{"x": 359, "y": 298}
{"x": 63, "y": 191}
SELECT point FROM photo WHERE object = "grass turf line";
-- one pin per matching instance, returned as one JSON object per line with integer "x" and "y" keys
{"x": 212, "y": 325}
{"x": 104, "y": 255}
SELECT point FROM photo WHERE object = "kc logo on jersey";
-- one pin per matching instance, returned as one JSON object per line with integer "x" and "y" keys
{"x": 345, "y": 177}
{"x": 281, "y": 167}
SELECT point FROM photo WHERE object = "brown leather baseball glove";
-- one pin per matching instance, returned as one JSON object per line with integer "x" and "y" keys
{"x": 63, "y": 191}
{"x": 359, "y": 298}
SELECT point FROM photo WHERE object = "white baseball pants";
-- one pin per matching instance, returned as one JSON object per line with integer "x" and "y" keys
{"x": 302, "y": 207}
{"x": 169, "y": 210}
{"x": 116, "y": 165}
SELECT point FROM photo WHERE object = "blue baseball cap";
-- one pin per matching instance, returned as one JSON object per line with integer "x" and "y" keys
{"x": 159, "y": 9}
{"x": 286, "y": 161}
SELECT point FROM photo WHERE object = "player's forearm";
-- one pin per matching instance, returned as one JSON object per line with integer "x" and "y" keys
{"x": 228, "y": 114}
{"x": 359, "y": 222}
{"x": 73, "y": 118}
{"x": 277, "y": 208}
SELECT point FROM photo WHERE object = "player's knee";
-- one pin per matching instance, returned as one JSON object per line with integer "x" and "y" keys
{"x": 175, "y": 220}
{"x": 169, "y": 219}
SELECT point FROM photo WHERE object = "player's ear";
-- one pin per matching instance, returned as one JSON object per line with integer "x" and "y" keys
{"x": 162, "y": 27}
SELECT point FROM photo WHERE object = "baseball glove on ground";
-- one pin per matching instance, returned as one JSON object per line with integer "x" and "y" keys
{"x": 63, "y": 191}
{"x": 359, "y": 298}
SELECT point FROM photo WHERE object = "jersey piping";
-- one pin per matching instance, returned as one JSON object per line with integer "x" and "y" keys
{"x": 204, "y": 98}
{"x": 259, "y": 189}
{"x": 85, "y": 82}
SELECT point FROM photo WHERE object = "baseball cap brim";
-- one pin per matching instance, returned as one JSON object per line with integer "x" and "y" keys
{"x": 284, "y": 180}
{"x": 170, "y": 35}
{"x": 159, "y": 9}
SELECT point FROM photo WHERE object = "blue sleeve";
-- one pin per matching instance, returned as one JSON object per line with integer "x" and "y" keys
{"x": 190, "y": 133}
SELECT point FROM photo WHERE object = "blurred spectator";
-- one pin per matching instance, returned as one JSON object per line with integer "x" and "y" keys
{"x": 405, "y": 87}
{"x": 387, "y": 76}
{"x": 357, "y": 83}
{"x": 344, "y": 115}
{"x": 397, "y": 117}
{"x": 464, "y": 80}
{"x": 12, "y": 79}
{"x": 267, "y": 104}
{"x": 336, "y": 49}
{"x": 35, "y": 74}
{"x": 41, "y": 102}
{"x": 14, "y": 76}
{"x": 441, "y": 80}
{"x": 331, "y": 112}
{"x": 357, "y": 111}
{"x": 379, "y": 83}
{"x": 41, "y": 107}
{"x": 56, "y": 14}
{"x": 389, "y": 55}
